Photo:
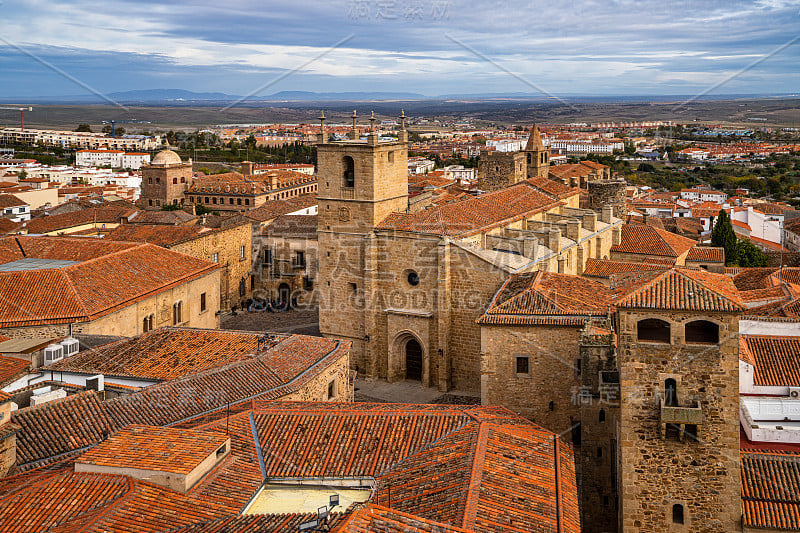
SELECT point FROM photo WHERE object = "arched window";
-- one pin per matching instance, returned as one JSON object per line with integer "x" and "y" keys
{"x": 677, "y": 514}
{"x": 701, "y": 332}
{"x": 602, "y": 415}
{"x": 349, "y": 171}
{"x": 174, "y": 181}
{"x": 177, "y": 312}
{"x": 653, "y": 330}
{"x": 670, "y": 392}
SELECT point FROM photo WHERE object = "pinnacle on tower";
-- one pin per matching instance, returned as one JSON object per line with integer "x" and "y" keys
{"x": 535, "y": 140}
{"x": 354, "y": 131}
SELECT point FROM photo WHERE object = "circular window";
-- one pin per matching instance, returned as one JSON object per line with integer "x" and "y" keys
{"x": 413, "y": 278}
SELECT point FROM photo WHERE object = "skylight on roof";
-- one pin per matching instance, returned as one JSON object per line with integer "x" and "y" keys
{"x": 32, "y": 263}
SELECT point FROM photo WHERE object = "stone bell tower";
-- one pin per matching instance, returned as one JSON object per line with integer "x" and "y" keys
{"x": 359, "y": 183}
{"x": 165, "y": 180}
{"x": 537, "y": 157}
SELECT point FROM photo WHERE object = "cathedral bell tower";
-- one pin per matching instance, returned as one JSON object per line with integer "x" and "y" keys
{"x": 359, "y": 183}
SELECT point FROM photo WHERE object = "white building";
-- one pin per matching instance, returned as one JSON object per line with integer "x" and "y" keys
{"x": 111, "y": 158}
{"x": 506, "y": 145}
{"x": 91, "y": 141}
{"x": 14, "y": 209}
{"x": 704, "y": 195}
{"x": 579, "y": 146}
{"x": 420, "y": 165}
{"x": 460, "y": 173}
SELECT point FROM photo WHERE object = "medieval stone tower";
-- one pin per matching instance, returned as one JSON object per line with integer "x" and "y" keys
{"x": 165, "y": 180}
{"x": 678, "y": 428}
{"x": 360, "y": 182}
{"x": 537, "y": 157}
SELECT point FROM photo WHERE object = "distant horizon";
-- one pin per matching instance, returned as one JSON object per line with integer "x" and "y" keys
{"x": 76, "y": 48}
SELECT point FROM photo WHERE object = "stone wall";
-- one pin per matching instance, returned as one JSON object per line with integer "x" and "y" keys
{"x": 546, "y": 394}
{"x": 658, "y": 471}
{"x": 316, "y": 390}
{"x": 497, "y": 170}
{"x": 233, "y": 249}
{"x": 608, "y": 192}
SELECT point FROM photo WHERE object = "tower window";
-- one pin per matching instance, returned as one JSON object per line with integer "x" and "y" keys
{"x": 602, "y": 415}
{"x": 677, "y": 514}
{"x": 670, "y": 392}
{"x": 349, "y": 172}
{"x": 653, "y": 330}
{"x": 522, "y": 365}
{"x": 413, "y": 278}
{"x": 701, "y": 332}
{"x": 174, "y": 181}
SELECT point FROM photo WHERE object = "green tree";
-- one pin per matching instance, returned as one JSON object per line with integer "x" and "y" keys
{"x": 723, "y": 236}
{"x": 749, "y": 255}
{"x": 84, "y": 127}
{"x": 171, "y": 207}
{"x": 22, "y": 174}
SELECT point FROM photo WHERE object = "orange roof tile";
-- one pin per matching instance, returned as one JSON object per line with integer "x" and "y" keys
{"x": 177, "y": 451}
{"x": 776, "y": 359}
{"x": 604, "y": 268}
{"x": 678, "y": 289}
{"x": 770, "y": 490}
{"x": 11, "y": 368}
{"x": 474, "y": 214}
{"x": 539, "y": 298}
{"x": 158, "y": 234}
{"x": 118, "y": 275}
{"x": 647, "y": 240}
{"x": 707, "y": 254}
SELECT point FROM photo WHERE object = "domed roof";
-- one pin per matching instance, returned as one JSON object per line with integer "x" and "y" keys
{"x": 166, "y": 157}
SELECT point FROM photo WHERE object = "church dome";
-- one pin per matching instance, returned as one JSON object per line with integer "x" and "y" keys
{"x": 166, "y": 157}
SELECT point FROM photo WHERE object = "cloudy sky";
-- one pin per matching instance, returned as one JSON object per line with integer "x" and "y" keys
{"x": 433, "y": 47}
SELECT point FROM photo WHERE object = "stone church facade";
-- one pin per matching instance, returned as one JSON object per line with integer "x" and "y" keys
{"x": 407, "y": 288}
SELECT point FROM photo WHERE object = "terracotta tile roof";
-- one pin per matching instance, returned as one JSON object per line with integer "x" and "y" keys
{"x": 604, "y": 268}
{"x": 12, "y": 368}
{"x": 272, "y": 209}
{"x": 8, "y": 226}
{"x": 769, "y": 293}
{"x": 60, "y": 426}
{"x": 560, "y": 298}
{"x": 172, "y": 218}
{"x": 767, "y": 244}
{"x": 487, "y": 474}
{"x": 93, "y": 287}
{"x": 293, "y": 227}
{"x": 268, "y": 523}
{"x": 553, "y": 188}
{"x": 678, "y": 289}
{"x": 771, "y": 209}
{"x": 656, "y": 222}
{"x": 160, "y": 235}
{"x": 66, "y": 501}
{"x": 178, "y": 451}
{"x": 776, "y": 359}
{"x": 747, "y": 279}
{"x": 647, "y": 240}
{"x": 101, "y": 215}
{"x": 9, "y": 200}
{"x": 165, "y": 353}
{"x": 771, "y": 490}
{"x": 379, "y": 519}
{"x": 281, "y": 370}
{"x": 474, "y": 214}
{"x": 707, "y": 254}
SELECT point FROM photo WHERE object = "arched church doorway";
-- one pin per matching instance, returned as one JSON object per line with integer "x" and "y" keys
{"x": 413, "y": 360}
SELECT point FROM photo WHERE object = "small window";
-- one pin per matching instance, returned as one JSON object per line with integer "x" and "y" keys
{"x": 602, "y": 416}
{"x": 158, "y": 180}
{"x": 353, "y": 287}
{"x": 183, "y": 180}
{"x": 670, "y": 392}
{"x": 653, "y": 330}
{"x": 241, "y": 252}
{"x": 576, "y": 434}
{"x": 690, "y": 432}
{"x": 150, "y": 181}
{"x": 577, "y": 367}
{"x": 551, "y": 405}
{"x": 267, "y": 256}
{"x": 174, "y": 181}
{"x": 202, "y": 301}
{"x": 230, "y": 201}
{"x": 413, "y": 278}
{"x": 391, "y": 157}
{"x": 238, "y": 201}
{"x": 677, "y": 514}
{"x": 300, "y": 258}
{"x": 214, "y": 200}
{"x": 599, "y": 452}
{"x": 332, "y": 390}
{"x": 222, "y": 450}
{"x": 150, "y": 203}
{"x": 215, "y": 257}
{"x": 522, "y": 365}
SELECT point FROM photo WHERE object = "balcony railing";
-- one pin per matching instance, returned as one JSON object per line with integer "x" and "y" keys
{"x": 681, "y": 415}
{"x": 348, "y": 193}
